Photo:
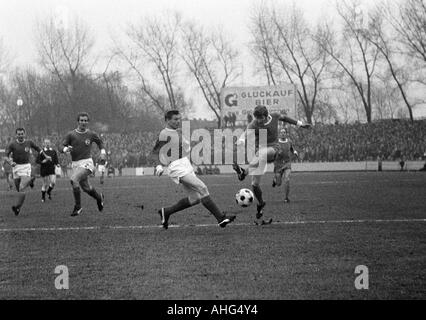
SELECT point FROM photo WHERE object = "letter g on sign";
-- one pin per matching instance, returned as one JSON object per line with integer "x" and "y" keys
{"x": 231, "y": 100}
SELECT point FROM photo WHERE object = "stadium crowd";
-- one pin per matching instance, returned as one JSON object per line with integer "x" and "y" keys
{"x": 388, "y": 139}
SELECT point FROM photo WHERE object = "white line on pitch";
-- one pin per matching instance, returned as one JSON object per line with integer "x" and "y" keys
{"x": 209, "y": 225}
{"x": 332, "y": 182}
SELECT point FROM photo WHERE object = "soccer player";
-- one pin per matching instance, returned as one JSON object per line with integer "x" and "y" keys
{"x": 78, "y": 142}
{"x": 47, "y": 169}
{"x": 282, "y": 163}
{"x": 18, "y": 156}
{"x": 8, "y": 172}
{"x": 173, "y": 151}
{"x": 264, "y": 154}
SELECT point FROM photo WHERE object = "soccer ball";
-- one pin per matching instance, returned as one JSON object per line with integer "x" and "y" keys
{"x": 244, "y": 198}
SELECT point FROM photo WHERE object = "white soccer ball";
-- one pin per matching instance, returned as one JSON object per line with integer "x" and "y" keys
{"x": 244, "y": 198}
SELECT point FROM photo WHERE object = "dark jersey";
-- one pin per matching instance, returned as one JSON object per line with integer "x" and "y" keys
{"x": 81, "y": 143}
{"x": 283, "y": 156}
{"x": 47, "y": 168}
{"x": 20, "y": 151}
{"x": 284, "y": 152}
{"x": 175, "y": 146}
{"x": 271, "y": 127}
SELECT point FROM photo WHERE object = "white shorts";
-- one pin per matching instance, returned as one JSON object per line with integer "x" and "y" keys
{"x": 101, "y": 168}
{"x": 84, "y": 163}
{"x": 22, "y": 170}
{"x": 180, "y": 168}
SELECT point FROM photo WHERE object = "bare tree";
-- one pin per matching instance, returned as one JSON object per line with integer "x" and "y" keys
{"x": 354, "y": 55}
{"x": 211, "y": 60}
{"x": 285, "y": 36}
{"x": 386, "y": 97}
{"x": 4, "y": 57}
{"x": 377, "y": 35}
{"x": 64, "y": 52}
{"x": 260, "y": 46}
{"x": 410, "y": 24}
{"x": 8, "y": 108}
{"x": 153, "y": 55}
{"x": 36, "y": 111}
{"x": 325, "y": 111}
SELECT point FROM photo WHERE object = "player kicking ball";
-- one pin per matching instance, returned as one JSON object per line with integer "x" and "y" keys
{"x": 264, "y": 154}
{"x": 18, "y": 156}
{"x": 282, "y": 163}
{"x": 79, "y": 142}
{"x": 173, "y": 151}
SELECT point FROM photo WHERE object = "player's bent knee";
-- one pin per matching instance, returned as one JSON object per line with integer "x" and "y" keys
{"x": 203, "y": 191}
{"x": 74, "y": 184}
{"x": 86, "y": 188}
{"x": 255, "y": 182}
{"x": 193, "y": 200}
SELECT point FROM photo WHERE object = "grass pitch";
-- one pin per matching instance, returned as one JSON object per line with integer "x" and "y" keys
{"x": 334, "y": 222}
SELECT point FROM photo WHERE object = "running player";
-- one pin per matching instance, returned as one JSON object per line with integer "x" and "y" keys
{"x": 47, "y": 170}
{"x": 282, "y": 163}
{"x": 173, "y": 151}
{"x": 78, "y": 142}
{"x": 18, "y": 156}
{"x": 264, "y": 154}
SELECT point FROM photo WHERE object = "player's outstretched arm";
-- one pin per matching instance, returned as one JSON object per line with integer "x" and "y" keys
{"x": 298, "y": 123}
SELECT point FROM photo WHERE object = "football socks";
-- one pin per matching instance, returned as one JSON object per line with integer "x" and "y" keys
{"x": 179, "y": 206}
{"x": 209, "y": 204}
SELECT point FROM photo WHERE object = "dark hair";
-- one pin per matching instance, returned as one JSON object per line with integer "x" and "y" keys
{"x": 83, "y": 114}
{"x": 169, "y": 114}
{"x": 260, "y": 111}
{"x": 19, "y": 129}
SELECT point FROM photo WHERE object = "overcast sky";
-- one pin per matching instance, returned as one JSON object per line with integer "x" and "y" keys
{"x": 105, "y": 17}
{"x": 109, "y": 17}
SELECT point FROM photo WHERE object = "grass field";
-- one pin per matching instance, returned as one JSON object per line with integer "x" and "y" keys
{"x": 334, "y": 222}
